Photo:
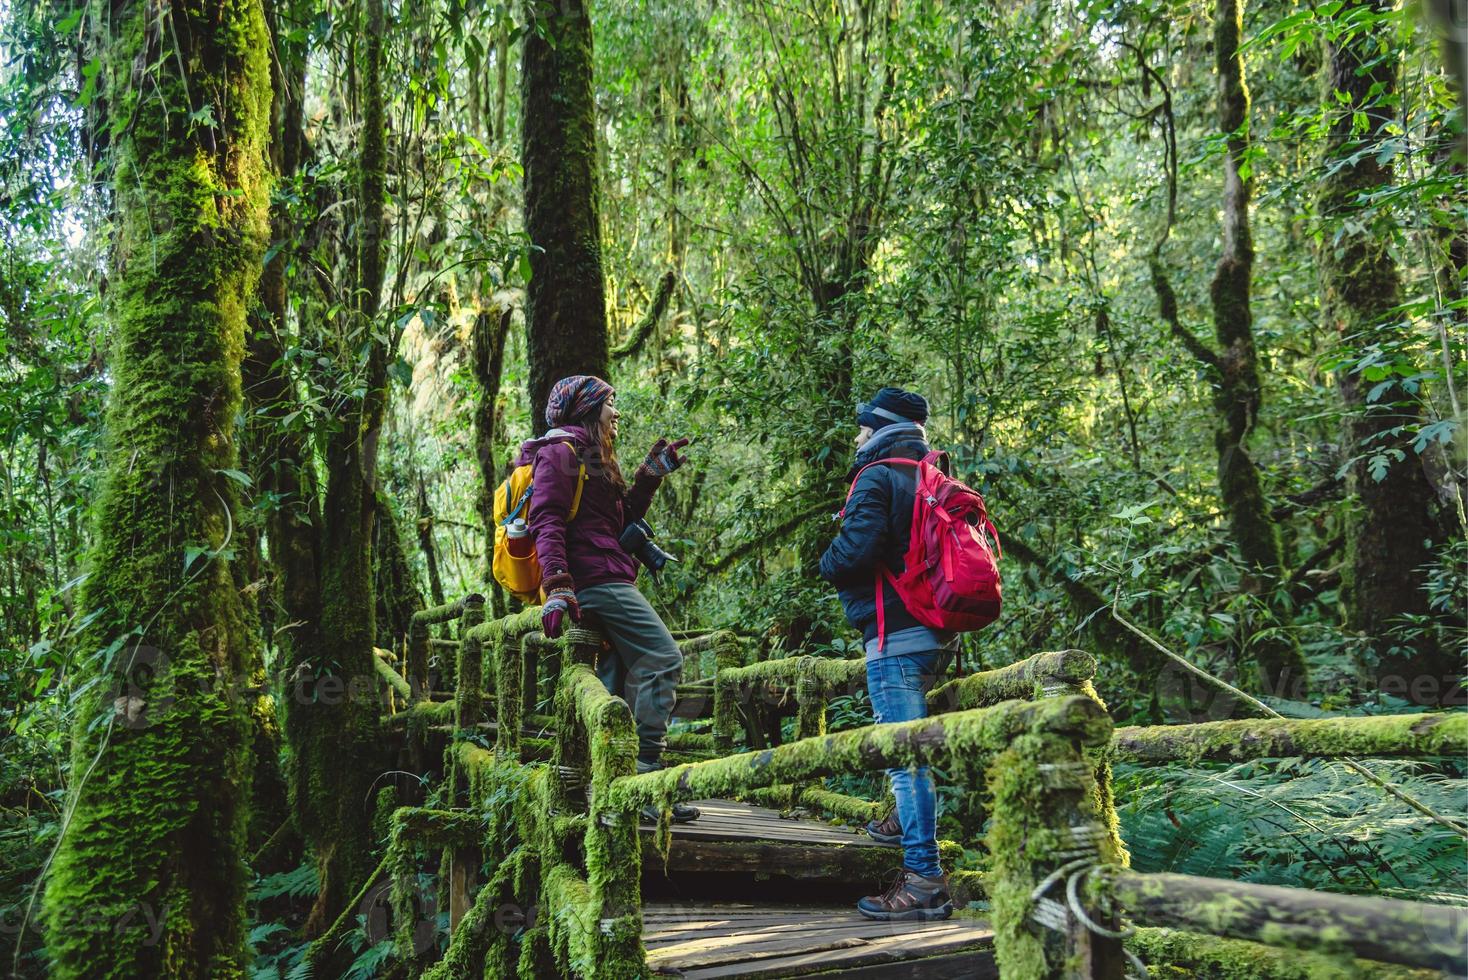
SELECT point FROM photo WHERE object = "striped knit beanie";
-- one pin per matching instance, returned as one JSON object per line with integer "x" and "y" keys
{"x": 572, "y": 399}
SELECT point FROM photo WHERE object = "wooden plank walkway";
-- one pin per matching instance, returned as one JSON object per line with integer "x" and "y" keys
{"x": 739, "y": 838}
{"x": 730, "y": 820}
{"x": 732, "y": 942}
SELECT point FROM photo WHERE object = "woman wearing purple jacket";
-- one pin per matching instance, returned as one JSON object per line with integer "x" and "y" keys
{"x": 584, "y": 568}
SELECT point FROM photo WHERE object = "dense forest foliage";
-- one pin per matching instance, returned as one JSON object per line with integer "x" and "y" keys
{"x": 283, "y": 284}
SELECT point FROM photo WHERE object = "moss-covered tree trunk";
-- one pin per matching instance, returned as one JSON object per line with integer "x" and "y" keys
{"x": 333, "y": 704}
{"x": 426, "y": 544}
{"x": 1392, "y": 521}
{"x": 149, "y": 876}
{"x": 278, "y": 457}
{"x": 491, "y": 331}
{"x": 1237, "y": 391}
{"x": 565, "y": 300}
{"x": 395, "y": 590}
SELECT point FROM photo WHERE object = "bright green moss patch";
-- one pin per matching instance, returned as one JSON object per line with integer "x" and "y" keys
{"x": 1444, "y": 733}
{"x": 1175, "y": 954}
{"x": 930, "y": 740}
{"x": 1028, "y": 678}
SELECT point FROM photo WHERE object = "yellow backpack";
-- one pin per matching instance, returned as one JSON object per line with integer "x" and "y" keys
{"x": 521, "y": 576}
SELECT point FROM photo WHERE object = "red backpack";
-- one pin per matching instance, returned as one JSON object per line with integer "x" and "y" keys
{"x": 950, "y": 577}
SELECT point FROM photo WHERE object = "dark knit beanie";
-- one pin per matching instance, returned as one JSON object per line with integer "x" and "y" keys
{"x": 892, "y": 405}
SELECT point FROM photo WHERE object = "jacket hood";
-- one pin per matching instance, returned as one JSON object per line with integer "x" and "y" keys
{"x": 887, "y": 440}
{"x": 574, "y": 434}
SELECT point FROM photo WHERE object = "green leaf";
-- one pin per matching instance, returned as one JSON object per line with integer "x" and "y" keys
{"x": 191, "y": 555}
{"x": 89, "y": 84}
{"x": 243, "y": 479}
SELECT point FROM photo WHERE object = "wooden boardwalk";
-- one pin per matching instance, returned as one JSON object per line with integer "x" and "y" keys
{"x": 700, "y": 938}
{"x": 740, "y": 838}
{"x": 729, "y": 942}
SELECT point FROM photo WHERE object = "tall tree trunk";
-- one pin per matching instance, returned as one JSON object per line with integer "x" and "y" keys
{"x": 149, "y": 876}
{"x": 335, "y": 739}
{"x": 490, "y": 333}
{"x": 1237, "y": 395}
{"x": 565, "y": 300}
{"x": 279, "y": 458}
{"x": 1392, "y": 525}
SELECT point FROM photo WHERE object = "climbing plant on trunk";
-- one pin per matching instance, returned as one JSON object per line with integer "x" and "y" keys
{"x": 148, "y": 879}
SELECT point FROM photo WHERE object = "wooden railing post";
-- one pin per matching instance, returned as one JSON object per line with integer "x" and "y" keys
{"x": 1045, "y": 834}
{"x": 468, "y": 707}
{"x": 417, "y": 665}
{"x": 469, "y": 694}
{"x": 728, "y": 654}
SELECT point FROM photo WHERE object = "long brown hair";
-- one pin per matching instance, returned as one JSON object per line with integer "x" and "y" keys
{"x": 601, "y": 454}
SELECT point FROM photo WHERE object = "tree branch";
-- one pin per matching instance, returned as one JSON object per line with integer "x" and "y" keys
{"x": 650, "y": 319}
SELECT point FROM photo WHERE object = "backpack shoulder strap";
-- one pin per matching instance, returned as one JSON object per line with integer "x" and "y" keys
{"x": 576, "y": 500}
{"x": 852, "y": 489}
{"x": 939, "y": 459}
{"x": 878, "y": 462}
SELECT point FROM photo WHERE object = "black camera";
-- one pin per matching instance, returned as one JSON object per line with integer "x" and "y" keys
{"x": 636, "y": 540}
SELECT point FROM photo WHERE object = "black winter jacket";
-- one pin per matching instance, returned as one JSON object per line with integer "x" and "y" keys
{"x": 875, "y": 531}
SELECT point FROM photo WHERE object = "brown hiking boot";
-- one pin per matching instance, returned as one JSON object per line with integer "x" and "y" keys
{"x": 889, "y": 831}
{"x": 911, "y": 897}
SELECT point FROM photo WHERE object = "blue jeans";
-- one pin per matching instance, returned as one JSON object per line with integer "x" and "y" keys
{"x": 897, "y": 685}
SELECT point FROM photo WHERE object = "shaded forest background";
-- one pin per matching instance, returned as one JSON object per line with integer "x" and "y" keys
{"x": 1184, "y": 283}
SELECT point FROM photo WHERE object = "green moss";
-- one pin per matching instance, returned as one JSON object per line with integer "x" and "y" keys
{"x": 728, "y": 656}
{"x": 1028, "y": 678}
{"x": 1444, "y": 733}
{"x": 1171, "y": 953}
{"x": 470, "y": 942}
{"x": 935, "y": 740}
{"x": 571, "y": 920}
{"x": 149, "y": 878}
{"x": 390, "y": 677}
{"x": 468, "y": 694}
{"x": 850, "y": 809}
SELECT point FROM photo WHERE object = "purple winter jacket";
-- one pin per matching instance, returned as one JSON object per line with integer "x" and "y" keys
{"x": 587, "y": 546}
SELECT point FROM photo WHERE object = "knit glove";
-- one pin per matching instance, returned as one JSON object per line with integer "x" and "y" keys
{"x": 663, "y": 458}
{"x": 560, "y": 603}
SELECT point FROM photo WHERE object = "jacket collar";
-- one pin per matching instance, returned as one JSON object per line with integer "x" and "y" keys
{"x": 887, "y": 439}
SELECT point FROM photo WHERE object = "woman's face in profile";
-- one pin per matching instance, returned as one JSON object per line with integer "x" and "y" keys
{"x": 862, "y": 435}
{"x": 609, "y": 415}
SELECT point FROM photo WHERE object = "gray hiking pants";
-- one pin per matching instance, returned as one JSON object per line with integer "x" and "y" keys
{"x": 647, "y": 664}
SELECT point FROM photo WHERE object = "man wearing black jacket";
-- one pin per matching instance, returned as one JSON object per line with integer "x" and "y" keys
{"x": 903, "y": 660}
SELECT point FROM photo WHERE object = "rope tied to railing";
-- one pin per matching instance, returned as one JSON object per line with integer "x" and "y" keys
{"x": 1077, "y": 864}
{"x": 584, "y": 636}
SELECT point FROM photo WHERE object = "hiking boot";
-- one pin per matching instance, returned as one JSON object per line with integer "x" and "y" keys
{"x": 911, "y": 897}
{"x": 889, "y": 831}
{"x": 682, "y": 812}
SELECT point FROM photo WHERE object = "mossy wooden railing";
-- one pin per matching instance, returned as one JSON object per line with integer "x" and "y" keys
{"x": 552, "y": 823}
